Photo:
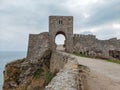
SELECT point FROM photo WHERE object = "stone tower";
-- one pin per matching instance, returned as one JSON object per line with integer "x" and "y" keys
{"x": 61, "y": 25}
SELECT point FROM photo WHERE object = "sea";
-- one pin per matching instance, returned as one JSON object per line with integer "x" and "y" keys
{"x": 7, "y": 57}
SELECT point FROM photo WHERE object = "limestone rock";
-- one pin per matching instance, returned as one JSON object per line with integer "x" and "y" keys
{"x": 32, "y": 72}
{"x": 68, "y": 77}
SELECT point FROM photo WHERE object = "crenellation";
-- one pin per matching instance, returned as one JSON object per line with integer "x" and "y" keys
{"x": 84, "y": 36}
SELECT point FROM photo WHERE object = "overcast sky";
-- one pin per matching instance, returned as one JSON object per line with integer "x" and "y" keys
{"x": 18, "y": 18}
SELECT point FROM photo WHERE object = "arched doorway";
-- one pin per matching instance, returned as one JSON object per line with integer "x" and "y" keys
{"x": 60, "y": 39}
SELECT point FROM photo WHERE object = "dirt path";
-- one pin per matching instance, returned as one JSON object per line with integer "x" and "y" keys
{"x": 103, "y": 75}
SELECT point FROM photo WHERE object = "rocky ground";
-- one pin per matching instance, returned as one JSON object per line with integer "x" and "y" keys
{"x": 67, "y": 78}
{"x": 60, "y": 48}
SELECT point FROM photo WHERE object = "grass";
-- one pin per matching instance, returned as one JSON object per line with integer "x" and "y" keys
{"x": 112, "y": 61}
{"x": 38, "y": 73}
{"x": 83, "y": 68}
{"x": 48, "y": 76}
{"x": 81, "y": 55}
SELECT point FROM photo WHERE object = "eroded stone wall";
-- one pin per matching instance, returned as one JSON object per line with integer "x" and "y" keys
{"x": 89, "y": 45}
{"x": 58, "y": 60}
{"x": 69, "y": 73}
{"x": 38, "y": 44}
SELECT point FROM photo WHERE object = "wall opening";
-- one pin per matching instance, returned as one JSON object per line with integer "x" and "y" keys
{"x": 114, "y": 54}
{"x": 60, "y": 22}
{"x": 60, "y": 41}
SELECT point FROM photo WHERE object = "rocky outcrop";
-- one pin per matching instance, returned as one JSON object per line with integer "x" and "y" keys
{"x": 58, "y": 61}
{"x": 70, "y": 73}
{"x": 33, "y": 72}
{"x": 23, "y": 75}
{"x": 39, "y": 67}
{"x": 67, "y": 79}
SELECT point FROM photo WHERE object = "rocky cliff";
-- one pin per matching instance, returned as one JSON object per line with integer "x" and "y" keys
{"x": 33, "y": 72}
{"x": 23, "y": 75}
{"x": 41, "y": 66}
{"x": 70, "y": 75}
{"x": 62, "y": 69}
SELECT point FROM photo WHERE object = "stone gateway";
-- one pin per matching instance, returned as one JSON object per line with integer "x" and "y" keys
{"x": 61, "y": 25}
{"x": 67, "y": 72}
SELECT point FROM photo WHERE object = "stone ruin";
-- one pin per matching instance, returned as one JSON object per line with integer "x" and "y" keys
{"x": 31, "y": 73}
{"x": 87, "y": 45}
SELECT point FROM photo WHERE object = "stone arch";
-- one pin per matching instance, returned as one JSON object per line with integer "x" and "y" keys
{"x": 61, "y": 33}
{"x": 61, "y": 25}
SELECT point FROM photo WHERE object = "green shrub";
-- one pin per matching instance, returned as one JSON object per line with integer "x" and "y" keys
{"x": 114, "y": 61}
{"x": 38, "y": 73}
{"x": 48, "y": 76}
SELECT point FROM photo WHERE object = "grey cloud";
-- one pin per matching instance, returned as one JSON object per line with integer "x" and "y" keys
{"x": 36, "y": 15}
{"x": 105, "y": 34}
{"x": 102, "y": 14}
{"x": 22, "y": 17}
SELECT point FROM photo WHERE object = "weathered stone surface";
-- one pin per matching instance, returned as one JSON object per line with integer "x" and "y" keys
{"x": 31, "y": 73}
{"x": 69, "y": 76}
{"x": 29, "y": 76}
{"x": 34, "y": 76}
{"x": 89, "y": 45}
{"x": 37, "y": 70}
{"x": 61, "y": 25}
{"x": 38, "y": 45}
{"x": 58, "y": 60}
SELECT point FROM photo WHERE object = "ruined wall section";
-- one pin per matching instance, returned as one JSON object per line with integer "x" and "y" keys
{"x": 69, "y": 73}
{"x": 89, "y": 45}
{"x": 38, "y": 44}
{"x": 58, "y": 60}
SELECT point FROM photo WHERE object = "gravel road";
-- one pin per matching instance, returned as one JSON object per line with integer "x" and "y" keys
{"x": 103, "y": 75}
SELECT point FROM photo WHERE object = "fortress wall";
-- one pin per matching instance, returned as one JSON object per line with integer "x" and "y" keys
{"x": 89, "y": 45}
{"x": 58, "y": 60}
{"x": 38, "y": 44}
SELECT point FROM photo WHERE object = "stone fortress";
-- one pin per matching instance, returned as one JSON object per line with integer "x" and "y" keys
{"x": 46, "y": 68}
{"x": 87, "y": 45}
